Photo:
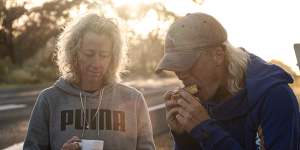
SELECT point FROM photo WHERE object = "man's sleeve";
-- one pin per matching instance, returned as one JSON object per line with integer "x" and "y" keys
{"x": 209, "y": 136}
{"x": 37, "y": 137}
{"x": 185, "y": 141}
{"x": 279, "y": 122}
{"x": 280, "y": 119}
{"x": 145, "y": 134}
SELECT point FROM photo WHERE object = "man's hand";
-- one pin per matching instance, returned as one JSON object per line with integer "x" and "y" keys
{"x": 72, "y": 144}
{"x": 171, "y": 112}
{"x": 191, "y": 112}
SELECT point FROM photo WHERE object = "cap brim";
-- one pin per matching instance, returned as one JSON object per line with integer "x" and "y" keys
{"x": 176, "y": 62}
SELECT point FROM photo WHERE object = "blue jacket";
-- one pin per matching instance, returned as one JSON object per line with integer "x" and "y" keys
{"x": 266, "y": 103}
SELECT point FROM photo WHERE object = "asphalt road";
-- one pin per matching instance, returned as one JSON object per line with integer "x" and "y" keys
{"x": 16, "y": 106}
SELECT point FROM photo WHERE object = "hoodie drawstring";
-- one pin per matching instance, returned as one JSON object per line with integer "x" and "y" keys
{"x": 83, "y": 111}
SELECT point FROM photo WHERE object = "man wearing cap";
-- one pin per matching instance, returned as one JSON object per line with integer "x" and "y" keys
{"x": 242, "y": 101}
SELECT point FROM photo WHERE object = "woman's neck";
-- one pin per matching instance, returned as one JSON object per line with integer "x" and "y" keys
{"x": 91, "y": 87}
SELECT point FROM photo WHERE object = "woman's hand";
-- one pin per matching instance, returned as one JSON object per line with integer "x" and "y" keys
{"x": 72, "y": 144}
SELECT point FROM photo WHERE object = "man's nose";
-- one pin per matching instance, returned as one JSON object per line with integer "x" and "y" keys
{"x": 185, "y": 77}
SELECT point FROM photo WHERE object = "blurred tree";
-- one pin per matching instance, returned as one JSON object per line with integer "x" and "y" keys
{"x": 23, "y": 32}
{"x": 145, "y": 53}
{"x": 8, "y": 16}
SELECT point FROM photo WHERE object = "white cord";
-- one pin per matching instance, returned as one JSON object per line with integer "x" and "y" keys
{"x": 100, "y": 101}
{"x": 84, "y": 110}
{"x": 84, "y": 114}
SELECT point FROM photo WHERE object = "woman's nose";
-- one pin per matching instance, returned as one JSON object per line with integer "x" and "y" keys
{"x": 97, "y": 60}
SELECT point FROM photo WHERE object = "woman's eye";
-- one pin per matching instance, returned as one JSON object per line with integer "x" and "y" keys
{"x": 104, "y": 55}
{"x": 88, "y": 54}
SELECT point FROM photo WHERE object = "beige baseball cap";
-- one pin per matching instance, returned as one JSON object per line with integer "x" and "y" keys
{"x": 186, "y": 37}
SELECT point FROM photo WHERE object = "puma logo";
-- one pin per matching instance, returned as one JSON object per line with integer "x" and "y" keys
{"x": 104, "y": 120}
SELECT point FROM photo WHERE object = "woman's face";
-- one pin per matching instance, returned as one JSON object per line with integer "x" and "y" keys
{"x": 94, "y": 58}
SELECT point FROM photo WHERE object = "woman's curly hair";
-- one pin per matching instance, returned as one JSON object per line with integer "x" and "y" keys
{"x": 69, "y": 43}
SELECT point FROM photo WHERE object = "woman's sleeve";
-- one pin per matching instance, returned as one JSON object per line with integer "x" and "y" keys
{"x": 145, "y": 134}
{"x": 37, "y": 137}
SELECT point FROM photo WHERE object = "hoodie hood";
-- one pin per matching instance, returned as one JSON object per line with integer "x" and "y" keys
{"x": 260, "y": 77}
{"x": 70, "y": 89}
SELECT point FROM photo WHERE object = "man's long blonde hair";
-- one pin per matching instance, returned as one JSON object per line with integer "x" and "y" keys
{"x": 69, "y": 43}
{"x": 237, "y": 61}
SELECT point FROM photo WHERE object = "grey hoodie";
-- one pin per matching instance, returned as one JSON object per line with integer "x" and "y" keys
{"x": 122, "y": 120}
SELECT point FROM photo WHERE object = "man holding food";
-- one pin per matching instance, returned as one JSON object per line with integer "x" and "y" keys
{"x": 232, "y": 99}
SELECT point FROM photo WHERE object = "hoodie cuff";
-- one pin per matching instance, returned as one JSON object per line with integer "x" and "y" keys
{"x": 185, "y": 141}
{"x": 180, "y": 138}
{"x": 208, "y": 133}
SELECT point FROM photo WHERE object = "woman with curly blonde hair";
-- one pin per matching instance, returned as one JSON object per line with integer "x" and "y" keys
{"x": 87, "y": 103}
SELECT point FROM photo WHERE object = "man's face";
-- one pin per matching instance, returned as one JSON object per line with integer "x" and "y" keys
{"x": 94, "y": 58}
{"x": 207, "y": 73}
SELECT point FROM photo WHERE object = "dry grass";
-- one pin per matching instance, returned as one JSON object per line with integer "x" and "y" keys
{"x": 296, "y": 87}
{"x": 296, "y": 84}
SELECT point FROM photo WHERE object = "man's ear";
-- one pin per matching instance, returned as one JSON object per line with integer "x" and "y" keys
{"x": 219, "y": 56}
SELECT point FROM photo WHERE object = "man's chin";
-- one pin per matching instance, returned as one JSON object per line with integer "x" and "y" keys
{"x": 201, "y": 98}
